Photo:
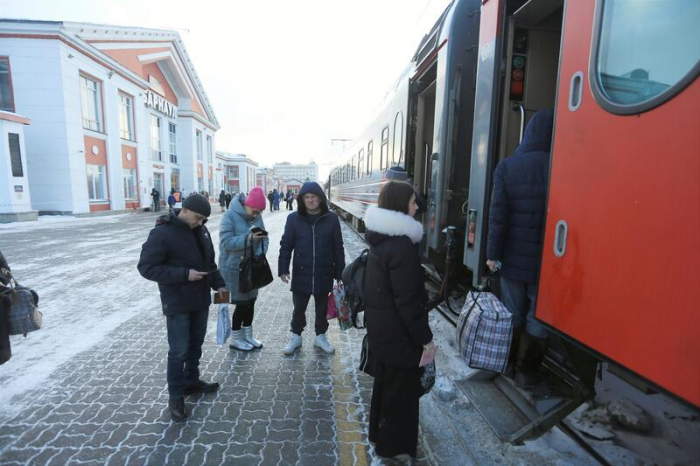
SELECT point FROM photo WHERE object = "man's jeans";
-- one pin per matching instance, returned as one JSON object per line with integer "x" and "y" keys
{"x": 519, "y": 298}
{"x": 301, "y": 301}
{"x": 185, "y": 337}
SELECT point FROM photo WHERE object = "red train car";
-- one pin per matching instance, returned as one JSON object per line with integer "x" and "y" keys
{"x": 622, "y": 244}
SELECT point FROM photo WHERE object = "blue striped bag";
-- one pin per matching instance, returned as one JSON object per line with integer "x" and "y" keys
{"x": 484, "y": 332}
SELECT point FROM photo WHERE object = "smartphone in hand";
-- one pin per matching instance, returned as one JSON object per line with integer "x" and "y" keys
{"x": 259, "y": 231}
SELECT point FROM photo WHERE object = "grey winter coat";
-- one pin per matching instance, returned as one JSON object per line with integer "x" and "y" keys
{"x": 235, "y": 229}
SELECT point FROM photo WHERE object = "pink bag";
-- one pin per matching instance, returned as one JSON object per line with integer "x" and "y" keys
{"x": 331, "y": 310}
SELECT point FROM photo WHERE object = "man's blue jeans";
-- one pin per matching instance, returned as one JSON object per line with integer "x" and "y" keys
{"x": 186, "y": 333}
{"x": 519, "y": 298}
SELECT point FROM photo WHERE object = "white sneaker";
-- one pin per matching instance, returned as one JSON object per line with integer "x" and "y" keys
{"x": 292, "y": 345}
{"x": 322, "y": 342}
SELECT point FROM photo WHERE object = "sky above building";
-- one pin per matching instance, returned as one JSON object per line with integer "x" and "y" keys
{"x": 285, "y": 78}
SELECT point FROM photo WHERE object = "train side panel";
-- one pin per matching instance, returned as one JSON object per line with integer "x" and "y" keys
{"x": 627, "y": 188}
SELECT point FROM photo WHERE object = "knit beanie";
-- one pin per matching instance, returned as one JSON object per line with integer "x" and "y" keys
{"x": 256, "y": 199}
{"x": 197, "y": 203}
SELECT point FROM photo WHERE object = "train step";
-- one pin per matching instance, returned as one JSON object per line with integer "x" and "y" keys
{"x": 515, "y": 414}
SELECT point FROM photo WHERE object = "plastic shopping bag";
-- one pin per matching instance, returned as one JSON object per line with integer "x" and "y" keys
{"x": 342, "y": 307}
{"x": 223, "y": 324}
{"x": 331, "y": 310}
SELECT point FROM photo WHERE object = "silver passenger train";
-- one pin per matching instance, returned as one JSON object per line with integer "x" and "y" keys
{"x": 425, "y": 127}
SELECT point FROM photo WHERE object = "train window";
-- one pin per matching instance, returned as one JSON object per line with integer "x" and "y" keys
{"x": 384, "y": 150}
{"x": 370, "y": 146}
{"x": 397, "y": 146}
{"x": 352, "y": 168}
{"x": 644, "y": 52}
{"x": 360, "y": 161}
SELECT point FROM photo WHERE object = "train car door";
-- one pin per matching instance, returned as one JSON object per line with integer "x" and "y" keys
{"x": 483, "y": 150}
{"x": 619, "y": 269}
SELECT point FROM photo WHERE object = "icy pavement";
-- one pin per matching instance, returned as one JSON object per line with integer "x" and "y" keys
{"x": 90, "y": 386}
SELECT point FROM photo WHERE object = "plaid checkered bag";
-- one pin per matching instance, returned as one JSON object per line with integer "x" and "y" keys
{"x": 484, "y": 332}
{"x": 24, "y": 315}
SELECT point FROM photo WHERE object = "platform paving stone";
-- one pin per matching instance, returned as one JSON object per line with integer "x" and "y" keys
{"x": 108, "y": 405}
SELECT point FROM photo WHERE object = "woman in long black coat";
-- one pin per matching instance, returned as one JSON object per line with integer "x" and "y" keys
{"x": 397, "y": 319}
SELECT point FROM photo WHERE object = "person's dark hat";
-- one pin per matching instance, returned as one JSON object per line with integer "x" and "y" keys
{"x": 197, "y": 203}
{"x": 396, "y": 173}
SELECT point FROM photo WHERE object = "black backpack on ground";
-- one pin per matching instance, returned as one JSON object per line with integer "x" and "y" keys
{"x": 354, "y": 282}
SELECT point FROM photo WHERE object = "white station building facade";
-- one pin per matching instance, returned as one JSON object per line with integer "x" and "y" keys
{"x": 115, "y": 111}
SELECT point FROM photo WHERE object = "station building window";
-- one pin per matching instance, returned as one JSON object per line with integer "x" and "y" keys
{"x": 644, "y": 52}
{"x": 126, "y": 117}
{"x": 6, "y": 96}
{"x": 199, "y": 145}
{"x": 97, "y": 189}
{"x": 172, "y": 142}
{"x": 129, "y": 177}
{"x": 156, "y": 152}
{"x": 209, "y": 149}
{"x": 90, "y": 103}
{"x": 15, "y": 155}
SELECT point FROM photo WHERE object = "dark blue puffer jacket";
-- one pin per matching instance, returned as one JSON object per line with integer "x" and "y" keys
{"x": 319, "y": 256}
{"x": 518, "y": 203}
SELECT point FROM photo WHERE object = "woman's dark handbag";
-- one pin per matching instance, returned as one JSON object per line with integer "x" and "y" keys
{"x": 427, "y": 378}
{"x": 367, "y": 359}
{"x": 23, "y": 312}
{"x": 253, "y": 271}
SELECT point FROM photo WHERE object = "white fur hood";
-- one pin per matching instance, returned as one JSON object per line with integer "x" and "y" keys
{"x": 393, "y": 223}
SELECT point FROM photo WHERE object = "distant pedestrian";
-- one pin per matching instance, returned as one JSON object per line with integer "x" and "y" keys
{"x": 313, "y": 234}
{"x": 178, "y": 199}
{"x": 396, "y": 318}
{"x": 179, "y": 256}
{"x": 289, "y": 199}
{"x": 272, "y": 201}
{"x": 155, "y": 194}
{"x": 222, "y": 200}
{"x": 228, "y": 200}
{"x": 171, "y": 200}
{"x": 276, "y": 199}
{"x": 236, "y": 238}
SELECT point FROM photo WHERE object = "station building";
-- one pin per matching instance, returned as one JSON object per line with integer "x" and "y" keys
{"x": 115, "y": 111}
{"x": 236, "y": 172}
{"x": 304, "y": 172}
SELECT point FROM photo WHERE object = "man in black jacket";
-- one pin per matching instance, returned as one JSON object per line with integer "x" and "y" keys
{"x": 516, "y": 223}
{"x": 313, "y": 233}
{"x": 179, "y": 255}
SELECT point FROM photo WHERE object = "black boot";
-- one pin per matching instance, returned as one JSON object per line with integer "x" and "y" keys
{"x": 200, "y": 386}
{"x": 176, "y": 406}
{"x": 512, "y": 355}
{"x": 531, "y": 351}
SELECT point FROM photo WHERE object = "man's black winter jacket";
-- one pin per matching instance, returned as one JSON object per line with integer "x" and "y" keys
{"x": 171, "y": 250}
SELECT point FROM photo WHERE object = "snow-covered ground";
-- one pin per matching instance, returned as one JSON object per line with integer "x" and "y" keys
{"x": 85, "y": 272}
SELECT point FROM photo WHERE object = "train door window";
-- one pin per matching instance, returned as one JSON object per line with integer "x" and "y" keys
{"x": 352, "y": 168}
{"x": 370, "y": 146}
{"x": 384, "y": 150}
{"x": 360, "y": 161}
{"x": 397, "y": 146}
{"x": 644, "y": 52}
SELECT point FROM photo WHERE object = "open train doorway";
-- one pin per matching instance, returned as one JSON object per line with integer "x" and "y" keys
{"x": 532, "y": 66}
{"x": 424, "y": 133}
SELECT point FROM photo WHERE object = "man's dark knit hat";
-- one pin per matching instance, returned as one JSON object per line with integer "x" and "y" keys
{"x": 197, "y": 203}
